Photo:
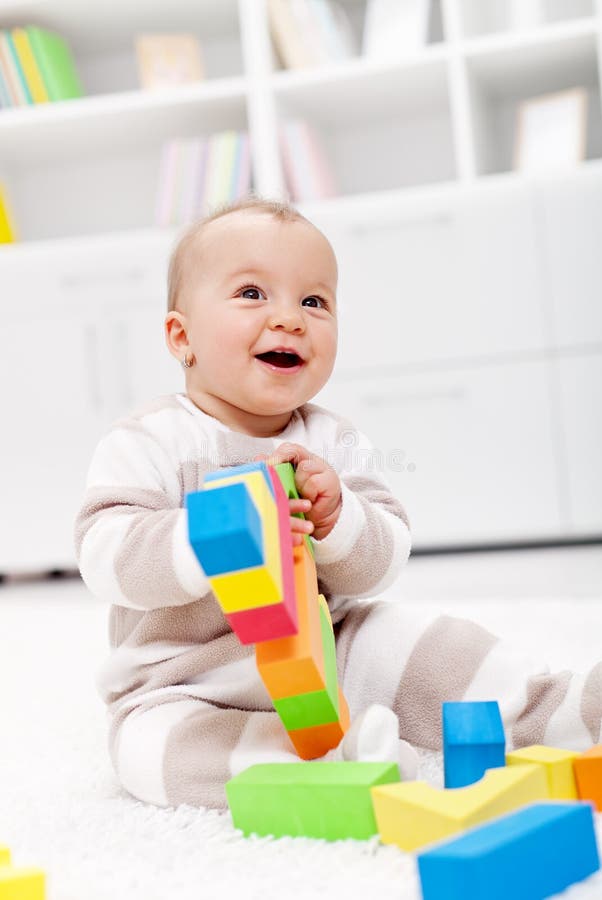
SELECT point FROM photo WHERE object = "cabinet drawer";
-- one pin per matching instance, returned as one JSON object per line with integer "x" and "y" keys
{"x": 469, "y": 453}
{"x": 445, "y": 280}
{"x": 580, "y": 386}
{"x": 570, "y": 216}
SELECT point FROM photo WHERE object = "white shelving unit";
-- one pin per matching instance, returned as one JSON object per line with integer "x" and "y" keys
{"x": 471, "y": 331}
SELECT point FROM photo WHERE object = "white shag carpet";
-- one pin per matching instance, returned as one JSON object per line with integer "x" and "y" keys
{"x": 62, "y": 810}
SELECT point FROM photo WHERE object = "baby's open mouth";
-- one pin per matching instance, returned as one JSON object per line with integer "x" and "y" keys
{"x": 280, "y": 358}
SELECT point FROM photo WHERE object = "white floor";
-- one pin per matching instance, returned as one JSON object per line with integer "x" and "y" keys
{"x": 61, "y": 808}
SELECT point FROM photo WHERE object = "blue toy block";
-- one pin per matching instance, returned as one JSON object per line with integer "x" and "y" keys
{"x": 473, "y": 741}
{"x": 527, "y": 855}
{"x": 257, "y": 466}
{"x": 225, "y": 529}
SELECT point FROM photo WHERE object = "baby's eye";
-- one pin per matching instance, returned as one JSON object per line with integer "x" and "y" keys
{"x": 252, "y": 289}
{"x": 314, "y": 301}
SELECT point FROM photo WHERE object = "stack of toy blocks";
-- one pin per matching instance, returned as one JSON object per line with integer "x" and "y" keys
{"x": 239, "y": 529}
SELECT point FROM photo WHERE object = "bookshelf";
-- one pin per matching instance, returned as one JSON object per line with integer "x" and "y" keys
{"x": 422, "y": 151}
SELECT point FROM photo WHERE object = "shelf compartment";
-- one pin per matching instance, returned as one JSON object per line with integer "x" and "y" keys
{"x": 384, "y": 113}
{"x": 355, "y": 13}
{"x": 102, "y": 39}
{"x": 97, "y": 160}
{"x": 503, "y": 74}
{"x": 490, "y": 16}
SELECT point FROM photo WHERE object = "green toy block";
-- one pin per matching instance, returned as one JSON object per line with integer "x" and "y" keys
{"x": 328, "y": 800}
{"x": 314, "y": 707}
{"x": 286, "y": 473}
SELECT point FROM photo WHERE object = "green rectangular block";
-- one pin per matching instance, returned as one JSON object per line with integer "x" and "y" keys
{"x": 328, "y": 800}
{"x": 286, "y": 474}
{"x": 314, "y": 707}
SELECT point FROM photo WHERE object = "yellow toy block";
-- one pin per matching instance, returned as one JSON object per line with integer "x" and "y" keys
{"x": 22, "y": 884}
{"x": 412, "y": 814}
{"x": 4, "y": 856}
{"x": 259, "y": 585}
{"x": 557, "y": 764}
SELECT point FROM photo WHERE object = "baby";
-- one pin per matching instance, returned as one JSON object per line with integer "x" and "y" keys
{"x": 252, "y": 317}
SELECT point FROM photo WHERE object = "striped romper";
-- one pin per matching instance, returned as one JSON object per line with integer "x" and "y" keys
{"x": 186, "y": 707}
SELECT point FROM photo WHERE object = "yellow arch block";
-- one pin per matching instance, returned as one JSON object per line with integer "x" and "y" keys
{"x": 557, "y": 765}
{"x": 22, "y": 883}
{"x": 412, "y": 814}
{"x": 260, "y": 585}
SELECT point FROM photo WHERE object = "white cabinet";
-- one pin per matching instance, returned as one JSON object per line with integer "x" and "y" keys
{"x": 569, "y": 210}
{"x": 51, "y": 419}
{"x": 580, "y": 389}
{"x": 441, "y": 278}
{"x": 469, "y": 452}
{"x": 82, "y": 344}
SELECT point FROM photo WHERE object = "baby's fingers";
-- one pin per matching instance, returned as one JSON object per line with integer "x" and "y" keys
{"x": 299, "y": 527}
{"x": 301, "y": 505}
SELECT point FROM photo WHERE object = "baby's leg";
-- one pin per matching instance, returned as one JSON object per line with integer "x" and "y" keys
{"x": 412, "y": 662}
{"x": 184, "y": 750}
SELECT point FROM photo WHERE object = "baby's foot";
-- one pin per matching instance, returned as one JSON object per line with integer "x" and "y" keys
{"x": 373, "y": 737}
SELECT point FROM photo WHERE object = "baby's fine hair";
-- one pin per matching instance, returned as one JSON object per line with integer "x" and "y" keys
{"x": 281, "y": 210}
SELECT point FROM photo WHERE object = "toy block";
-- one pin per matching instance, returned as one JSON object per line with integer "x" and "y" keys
{"x": 532, "y": 853}
{"x": 588, "y": 775}
{"x": 473, "y": 741}
{"x": 22, "y": 883}
{"x": 315, "y": 707}
{"x": 311, "y": 743}
{"x": 223, "y": 475}
{"x": 414, "y": 814}
{"x": 224, "y": 529}
{"x": 279, "y": 620}
{"x": 262, "y": 585}
{"x": 328, "y": 800}
{"x": 557, "y": 764}
{"x": 295, "y": 664}
{"x": 286, "y": 473}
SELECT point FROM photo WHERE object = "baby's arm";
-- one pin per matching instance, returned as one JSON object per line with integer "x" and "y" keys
{"x": 130, "y": 534}
{"x": 366, "y": 531}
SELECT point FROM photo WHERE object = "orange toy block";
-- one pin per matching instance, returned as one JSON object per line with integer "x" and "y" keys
{"x": 295, "y": 664}
{"x": 588, "y": 775}
{"x": 310, "y": 743}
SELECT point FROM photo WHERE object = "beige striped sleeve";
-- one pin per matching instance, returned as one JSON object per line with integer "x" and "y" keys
{"x": 130, "y": 534}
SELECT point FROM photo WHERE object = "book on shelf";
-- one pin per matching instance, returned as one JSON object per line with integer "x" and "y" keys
{"x": 394, "y": 28}
{"x": 7, "y": 229}
{"x": 197, "y": 174}
{"x": 36, "y": 66}
{"x": 308, "y": 174}
{"x": 310, "y": 32}
{"x": 168, "y": 59}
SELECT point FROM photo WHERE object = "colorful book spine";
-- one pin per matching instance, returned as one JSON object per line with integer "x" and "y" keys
{"x": 5, "y": 97}
{"x": 29, "y": 66}
{"x": 7, "y": 231}
{"x": 21, "y": 77}
{"x": 12, "y": 75}
{"x": 55, "y": 64}
{"x": 242, "y": 170}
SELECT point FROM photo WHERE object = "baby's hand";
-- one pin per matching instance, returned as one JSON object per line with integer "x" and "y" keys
{"x": 319, "y": 486}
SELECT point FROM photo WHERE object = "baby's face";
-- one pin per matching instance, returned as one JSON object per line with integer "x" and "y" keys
{"x": 260, "y": 284}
